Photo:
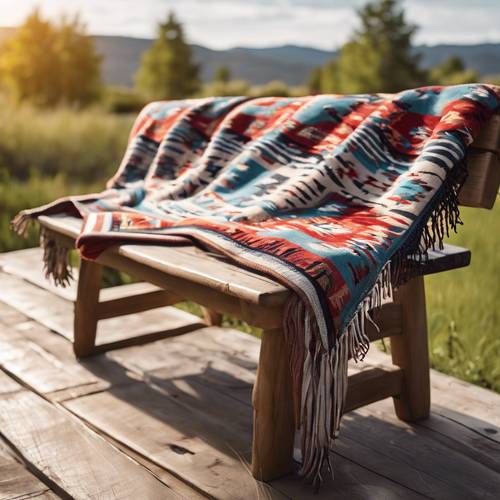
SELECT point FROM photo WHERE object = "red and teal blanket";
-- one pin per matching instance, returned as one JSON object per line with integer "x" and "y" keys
{"x": 337, "y": 197}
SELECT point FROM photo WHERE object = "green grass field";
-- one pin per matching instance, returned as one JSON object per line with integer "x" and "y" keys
{"x": 464, "y": 305}
{"x": 47, "y": 155}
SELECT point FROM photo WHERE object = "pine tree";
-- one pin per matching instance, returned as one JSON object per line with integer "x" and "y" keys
{"x": 379, "y": 56}
{"x": 167, "y": 70}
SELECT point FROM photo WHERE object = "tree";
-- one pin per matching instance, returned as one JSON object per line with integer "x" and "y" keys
{"x": 167, "y": 70}
{"x": 379, "y": 56}
{"x": 48, "y": 64}
{"x": 330, "y": 78}
{"x": 314, "y": 82}
{"x": 222, "y": 75}
{"x": 452, "y": 72}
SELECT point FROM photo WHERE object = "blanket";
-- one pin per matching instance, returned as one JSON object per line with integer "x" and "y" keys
{"x": 337, "y": 197}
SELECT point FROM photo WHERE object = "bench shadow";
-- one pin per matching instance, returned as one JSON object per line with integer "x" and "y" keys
{"x": 377, "y": 456}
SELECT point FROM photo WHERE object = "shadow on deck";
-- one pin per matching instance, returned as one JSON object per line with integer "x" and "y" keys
{"x": 173, "y": 419}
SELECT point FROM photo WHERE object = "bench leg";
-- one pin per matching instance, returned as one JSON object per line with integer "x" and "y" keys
{"x": 85, "y": 321}
{"x": 211, "y": 317}
{"x": 273, "y": 417}
{"x": 410, "y": 351}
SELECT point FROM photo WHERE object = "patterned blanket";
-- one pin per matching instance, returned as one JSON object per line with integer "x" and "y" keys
{"x": 337, "y": 197}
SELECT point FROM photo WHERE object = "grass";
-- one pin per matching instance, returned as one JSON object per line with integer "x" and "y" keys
{"x": 82, "y": 145}
{"x": 463, "y": 305}
{"x": 69, "y": 147}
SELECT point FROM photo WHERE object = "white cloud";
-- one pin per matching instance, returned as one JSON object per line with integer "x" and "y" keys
{"x": 227, "y": 23}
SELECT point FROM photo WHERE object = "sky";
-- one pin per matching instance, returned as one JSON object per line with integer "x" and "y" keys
{"x": 221, "y": 24}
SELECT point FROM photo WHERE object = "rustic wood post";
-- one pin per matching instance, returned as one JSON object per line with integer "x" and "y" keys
{"x": 86, "y": 308}
{"x": 211, "y": 317}
{"x": 410, "y": 351}
{"x": 273, "y": 416}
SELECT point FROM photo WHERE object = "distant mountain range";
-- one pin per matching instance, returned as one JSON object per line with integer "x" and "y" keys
{"x": 288, "y": 63}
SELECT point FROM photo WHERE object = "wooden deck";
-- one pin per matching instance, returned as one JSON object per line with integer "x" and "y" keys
{"x": 172, "y": 418}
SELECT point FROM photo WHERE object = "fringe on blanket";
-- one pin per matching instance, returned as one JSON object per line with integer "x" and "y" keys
{"x": 55, "y": 257}
{"x": 321, "y": 375}
{"x": 442, "y": 216}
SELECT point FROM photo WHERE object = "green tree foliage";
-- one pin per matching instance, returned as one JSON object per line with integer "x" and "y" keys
{"x": 378, "y": 57}
{"x": 314, "y": 83}
{"x": 330, "y": 81}
{"x": 452, "y": 72}
{"x": 222, "y": 74}
{"x": 271, "y": 89}
{"x": 167, "y": 70}
{"x": 231, "y": 88}
{"x": 49, "y": 64}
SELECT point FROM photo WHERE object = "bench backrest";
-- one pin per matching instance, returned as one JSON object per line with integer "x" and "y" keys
{"x": 483, "y": 161}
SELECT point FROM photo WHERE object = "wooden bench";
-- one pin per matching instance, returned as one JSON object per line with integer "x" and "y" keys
{"x": 188, "y": 273}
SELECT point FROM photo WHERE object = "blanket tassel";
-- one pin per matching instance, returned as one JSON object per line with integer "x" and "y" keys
{"x": 324, "y": 377}
{"x": 55, "y": 260}
{"x": 55, "y": 257}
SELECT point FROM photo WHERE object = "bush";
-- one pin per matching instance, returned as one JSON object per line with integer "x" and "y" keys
{"x": 86, "y": 146}
{"x": 123, "y": 100}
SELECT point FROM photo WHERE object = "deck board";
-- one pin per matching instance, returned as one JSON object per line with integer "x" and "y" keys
{"x": 181, "y": 410}
{"x": 17, "y": 482}
{"x": 73, "y": 459}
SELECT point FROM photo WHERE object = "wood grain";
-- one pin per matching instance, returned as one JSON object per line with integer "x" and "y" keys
{"x": 65, "y": 453}
{"x": 410, "y": 352}
{"x": 16, "y": 482}
{"x": 273, "y": 413}
{"x": 481, "y": 187}
{"x": 194, "y": 392}
{"x": 85, "y": 312}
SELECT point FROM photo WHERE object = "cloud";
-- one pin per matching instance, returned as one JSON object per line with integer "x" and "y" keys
{"x": 227, "y": 23}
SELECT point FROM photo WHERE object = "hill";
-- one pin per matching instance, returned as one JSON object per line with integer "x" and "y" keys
{"x": 290, "y": 63}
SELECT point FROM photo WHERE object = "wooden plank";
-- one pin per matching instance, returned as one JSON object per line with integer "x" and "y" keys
{"x": 16, "y": 482}
{"x": 189, "y": 262}
{"x": 411, "y": 456}
{"x": 473, "y": 407}
{"x": 351, "y": 482}
{"x": 45, "y": 362}
{"x": 203, "y": 269}
{"x": 489, "y": 136}
{"x": 210, "y": 455}
{"x": 158, "y": 430}
{"x": 132, "y": 304}
{"x": 28, "y": 264}
{"x": 463, "y": 440}
{"x": 114, "y": 301}
{"x": 481, "y": 187}
{"x": 388, "y": 320}
{"x": 462, "y": 403}
{"x": 373, "y": 384}
{"x": 57, "y": 315}
{"x": 215, "y": 299}
{"x": 72, "y": 459}
{"x": 445, "y": 259}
